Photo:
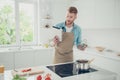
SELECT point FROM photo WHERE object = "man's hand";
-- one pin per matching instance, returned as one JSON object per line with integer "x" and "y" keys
{"x": 56, "y": 40}
{"x": 82, "y": 47}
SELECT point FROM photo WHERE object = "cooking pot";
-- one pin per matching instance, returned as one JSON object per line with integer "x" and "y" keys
{"x": 84, "y": 64}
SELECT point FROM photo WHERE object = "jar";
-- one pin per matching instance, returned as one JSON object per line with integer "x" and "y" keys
{"x": 1, "y": 72}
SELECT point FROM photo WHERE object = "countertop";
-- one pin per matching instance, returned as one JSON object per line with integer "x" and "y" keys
{"x": 101, "y": 74}
{"x": 23, "y": 49}
{"x": 106, "y": 54}
{"x": 93, "y": 51}
{"x": 110, "y": 55}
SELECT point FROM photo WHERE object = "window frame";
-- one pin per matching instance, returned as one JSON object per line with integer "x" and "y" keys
{"x": 17, "y": 25}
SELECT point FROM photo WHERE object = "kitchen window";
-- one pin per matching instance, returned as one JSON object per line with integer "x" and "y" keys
{"x": 7, "y": 22}
{"x": 18, "y": 22}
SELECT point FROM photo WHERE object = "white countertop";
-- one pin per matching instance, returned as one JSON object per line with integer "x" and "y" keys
{"x": 23, "y": 49}
{"x": 101, "y": 74}
{"x": 93, "y": 51}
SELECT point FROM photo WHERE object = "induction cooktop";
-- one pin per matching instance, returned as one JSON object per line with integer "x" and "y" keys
{"x": 66, "y": 70}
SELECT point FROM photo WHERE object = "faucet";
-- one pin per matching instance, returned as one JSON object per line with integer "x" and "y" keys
{"x": 20, "y": 46}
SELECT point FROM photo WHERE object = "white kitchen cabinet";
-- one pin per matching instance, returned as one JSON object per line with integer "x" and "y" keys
{"x": 33, "y": 58}
{"x": 44, "y": 57}
{"x": 24, "y": 59}
{"x": 6, "y": 59}
{"x": 101, "y": 61}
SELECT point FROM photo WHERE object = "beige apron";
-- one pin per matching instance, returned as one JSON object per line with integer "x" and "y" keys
{"x": 64, "y": 49}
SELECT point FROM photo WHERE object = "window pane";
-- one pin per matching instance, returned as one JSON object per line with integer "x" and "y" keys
{"x": 26, "y": 14}
{"x": 7, "y": 22}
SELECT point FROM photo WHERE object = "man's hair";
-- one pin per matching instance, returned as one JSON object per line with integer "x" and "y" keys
{"x": 73, "y": 10}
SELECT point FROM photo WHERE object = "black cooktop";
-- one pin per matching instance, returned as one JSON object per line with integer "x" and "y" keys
{"x": 65, "y": 70}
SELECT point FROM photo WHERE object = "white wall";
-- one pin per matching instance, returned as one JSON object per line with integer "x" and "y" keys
{"x": 108, "y": 38}
{"x": 98, "y": 13}
{"x": 59, "y": 8}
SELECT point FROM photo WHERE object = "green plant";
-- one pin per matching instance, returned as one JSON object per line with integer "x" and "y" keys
{"x": 17, "y": 77}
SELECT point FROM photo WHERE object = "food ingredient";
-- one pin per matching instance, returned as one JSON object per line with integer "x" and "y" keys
{"x": 39, "y": 77}
{"x": 26, "y": 70}
{"x": 17, "y": 77}
{"x": 48, "y": 77}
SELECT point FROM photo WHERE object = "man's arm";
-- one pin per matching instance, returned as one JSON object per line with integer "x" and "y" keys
{"x": 58, "y": 26}
{"x": 79, "y": 40}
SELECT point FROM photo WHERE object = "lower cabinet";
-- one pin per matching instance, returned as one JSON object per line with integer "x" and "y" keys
{"x": 44, "y": 57}
{"x": 6, "y": 59}
{"x": 33, "y": 58}
{"x": 24, "y": 59}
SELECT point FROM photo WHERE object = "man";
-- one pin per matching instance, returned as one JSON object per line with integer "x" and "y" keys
{"x": 71, "y": 36}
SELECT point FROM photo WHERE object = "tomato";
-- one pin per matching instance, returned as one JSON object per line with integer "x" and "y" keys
{"x": 39, "y": 77}
{"x": 26, "y": 70}
{"x": 47, "y": 78}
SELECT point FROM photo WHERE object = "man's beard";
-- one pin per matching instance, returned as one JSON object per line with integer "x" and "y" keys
{"x": 69, "y": 22}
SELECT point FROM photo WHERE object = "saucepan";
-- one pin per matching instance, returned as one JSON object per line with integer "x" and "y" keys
{"x": 84, "y": 64}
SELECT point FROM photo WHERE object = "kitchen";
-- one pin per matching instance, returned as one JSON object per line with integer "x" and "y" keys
{"x": 99, "y": 20}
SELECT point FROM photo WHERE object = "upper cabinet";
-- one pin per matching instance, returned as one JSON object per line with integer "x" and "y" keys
{"x": 98, "y": 13}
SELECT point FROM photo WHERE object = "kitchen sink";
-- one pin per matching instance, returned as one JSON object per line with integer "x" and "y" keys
{"x": 66, "y": 70}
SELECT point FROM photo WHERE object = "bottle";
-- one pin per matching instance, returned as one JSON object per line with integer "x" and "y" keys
{"x": 1, "y": 72}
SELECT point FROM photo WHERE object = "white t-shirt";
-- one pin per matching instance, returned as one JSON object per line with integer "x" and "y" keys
{"x": 69, "y": 29}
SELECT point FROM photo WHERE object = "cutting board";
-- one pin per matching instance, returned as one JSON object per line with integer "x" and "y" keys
{"x": 33, "y": 71}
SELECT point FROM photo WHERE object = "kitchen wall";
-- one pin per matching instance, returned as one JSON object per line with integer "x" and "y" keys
{"x": 99, "y": 20}
{"x": 108, "y": 38}
{"x": 59, "y": 10}
{"x": 97, "y": 13}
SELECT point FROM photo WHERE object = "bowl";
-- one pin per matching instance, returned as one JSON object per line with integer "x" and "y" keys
{"x": 100, "y": 49}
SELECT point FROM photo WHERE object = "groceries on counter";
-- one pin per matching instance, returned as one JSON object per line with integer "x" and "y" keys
{"x": 39, "y": 77}
{"x": 46, "y": 77}
{"x": 23, "y": 73}
{"x": 27, "y": 71}
{"x": 17, "y": 77}
{"x": 36, "y": 72}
